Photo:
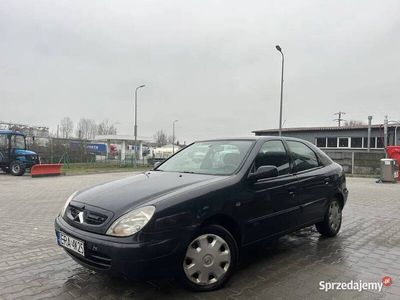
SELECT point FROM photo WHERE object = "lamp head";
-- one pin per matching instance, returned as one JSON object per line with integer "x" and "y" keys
{"x": 278, "y": 48}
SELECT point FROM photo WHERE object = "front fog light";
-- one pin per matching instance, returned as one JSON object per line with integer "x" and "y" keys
{"x": 131, "y": 222}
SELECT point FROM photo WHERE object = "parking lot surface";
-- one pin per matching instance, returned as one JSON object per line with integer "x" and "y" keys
{"x": 32, "y": 266}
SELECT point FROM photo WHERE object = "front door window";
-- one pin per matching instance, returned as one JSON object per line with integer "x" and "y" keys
{"x": 17, "y": 142}
{"x": 273, "y": 153}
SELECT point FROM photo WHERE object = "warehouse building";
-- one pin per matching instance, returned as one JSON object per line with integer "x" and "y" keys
{"x": 345, "y": 138}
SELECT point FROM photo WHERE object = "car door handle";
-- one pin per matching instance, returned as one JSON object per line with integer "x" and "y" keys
{"x": 292, "y": 191}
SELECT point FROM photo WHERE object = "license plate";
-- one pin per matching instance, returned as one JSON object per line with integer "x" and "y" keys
{"x": 71, "y": 243}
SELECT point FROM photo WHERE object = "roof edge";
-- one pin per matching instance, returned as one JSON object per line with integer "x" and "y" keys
{"x": 321, "y": 128}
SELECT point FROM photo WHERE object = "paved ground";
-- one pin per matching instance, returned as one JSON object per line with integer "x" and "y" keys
{"x": 367, "y": 249}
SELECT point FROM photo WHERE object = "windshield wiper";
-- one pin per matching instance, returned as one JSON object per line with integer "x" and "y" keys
{"x": 188, "y": 172}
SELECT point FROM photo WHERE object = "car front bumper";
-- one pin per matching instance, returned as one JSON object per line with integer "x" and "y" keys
{"x": 132, "y": 260}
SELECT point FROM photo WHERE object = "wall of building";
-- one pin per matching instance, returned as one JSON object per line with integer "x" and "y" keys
{"x": 358, "y": 162}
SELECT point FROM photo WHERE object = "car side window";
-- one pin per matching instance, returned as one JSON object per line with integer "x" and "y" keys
{"x": 3, "y": 146}
{"x": 3, "y": 141}
{"x": 273, "y": 153}
{"x": 303, "y": 156}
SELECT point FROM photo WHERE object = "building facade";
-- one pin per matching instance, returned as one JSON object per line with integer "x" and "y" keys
{"x": 345, "y": 138}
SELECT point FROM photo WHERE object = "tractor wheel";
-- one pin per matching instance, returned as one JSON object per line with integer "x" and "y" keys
{"x": 17, "y": 168}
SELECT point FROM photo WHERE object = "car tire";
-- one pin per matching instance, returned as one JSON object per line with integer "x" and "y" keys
{"x": 17, "y": 168}
{"x": 330, "y": 226}
{"x": 210, "y": 259}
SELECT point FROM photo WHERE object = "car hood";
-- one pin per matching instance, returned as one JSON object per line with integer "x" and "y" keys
{"x": 122, "y": 195}
{"x": 24, "y": 152}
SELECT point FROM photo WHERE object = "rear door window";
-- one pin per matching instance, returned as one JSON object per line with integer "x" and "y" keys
{"x": 303, "y": 156}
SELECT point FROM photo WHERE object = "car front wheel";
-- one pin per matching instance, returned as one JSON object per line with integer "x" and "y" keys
{"x": 330, "y": 226}
{"x": 17, "y": 168}
{"x": 210, "y": 259}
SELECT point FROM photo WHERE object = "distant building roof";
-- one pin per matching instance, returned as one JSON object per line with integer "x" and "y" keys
{"x": 11, "y": 132}
{"x": 119, "y": 137}
{"x": 328, "y": 128}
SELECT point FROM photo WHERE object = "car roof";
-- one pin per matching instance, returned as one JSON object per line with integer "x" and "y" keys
{"x": 253, "y": 138}
{"x": 11, "y": 132}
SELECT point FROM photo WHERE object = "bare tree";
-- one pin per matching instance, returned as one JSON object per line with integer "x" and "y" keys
{"x": 86, "y": 129}
{"x": 353, "y": 123}
{"x": 171, "y": 139}
{"x": 160, "y": 138}
{"x": 67, "y": 127}
{"x": 106, "y": 127}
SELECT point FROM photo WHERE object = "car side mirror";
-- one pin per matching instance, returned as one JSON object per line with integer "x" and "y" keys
{"x": 264, "y": 172}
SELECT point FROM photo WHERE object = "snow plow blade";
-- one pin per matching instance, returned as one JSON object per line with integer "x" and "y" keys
{"x": 46, "y": 170}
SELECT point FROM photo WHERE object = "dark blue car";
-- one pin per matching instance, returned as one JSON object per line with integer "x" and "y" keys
{"x": 192, "y": 213}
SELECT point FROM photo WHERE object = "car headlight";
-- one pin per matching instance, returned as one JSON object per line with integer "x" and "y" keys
{"x": 62, "y": 213}
{"x": 131, "y": 222}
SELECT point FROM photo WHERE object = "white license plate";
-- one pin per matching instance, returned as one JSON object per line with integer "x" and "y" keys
{"x": 72, "y": 243}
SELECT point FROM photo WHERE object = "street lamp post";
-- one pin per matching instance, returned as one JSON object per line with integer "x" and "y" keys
{"x": 280, "y": 109}
{"x": 135, "y": 129}
{"x": 173, "y": 136}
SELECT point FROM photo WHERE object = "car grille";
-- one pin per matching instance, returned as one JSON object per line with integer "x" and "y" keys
{"x": 95, "y": 219}
{"x": 89, "y": 217}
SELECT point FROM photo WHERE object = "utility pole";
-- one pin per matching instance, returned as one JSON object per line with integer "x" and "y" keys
{"x": 135, "y": 128}
{"x": 369, "y": 133}
{"x": 385, "y": 131}
{"x": 173, "y": 136}
{"x": 339, "y": 119}
{"x": 281, "y": 102}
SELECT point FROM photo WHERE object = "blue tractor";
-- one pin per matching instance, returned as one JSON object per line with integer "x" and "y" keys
{"x": 14, "y": 157}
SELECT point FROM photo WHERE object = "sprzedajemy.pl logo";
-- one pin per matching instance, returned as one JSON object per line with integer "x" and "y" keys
{"x": 355, "y": 285}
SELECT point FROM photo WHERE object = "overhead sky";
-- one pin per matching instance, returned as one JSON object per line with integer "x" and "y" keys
{"x": 210, "y": 64}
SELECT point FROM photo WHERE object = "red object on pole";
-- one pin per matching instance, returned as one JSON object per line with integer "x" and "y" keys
{"x": 394, "y": 153}
{"x": 46, "y": 170}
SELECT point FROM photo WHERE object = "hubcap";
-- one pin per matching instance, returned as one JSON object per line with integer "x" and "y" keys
{"x": 16, "y": 168}
{"x": 207, "y": 259}
{"x": 335, "y": 215}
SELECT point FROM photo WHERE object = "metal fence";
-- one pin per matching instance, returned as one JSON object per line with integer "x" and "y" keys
{"x": 60, "y": 151}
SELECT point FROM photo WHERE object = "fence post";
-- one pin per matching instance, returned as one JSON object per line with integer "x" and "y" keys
{"x": 352, "y": 162}
{"x": 51, "y": 150}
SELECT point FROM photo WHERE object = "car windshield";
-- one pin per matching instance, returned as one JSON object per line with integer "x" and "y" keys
{"x": 212, "y": 157}
{"x": 17, "y": 142}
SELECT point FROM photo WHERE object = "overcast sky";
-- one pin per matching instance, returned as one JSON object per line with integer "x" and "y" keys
{"x": 210, "y": 64}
